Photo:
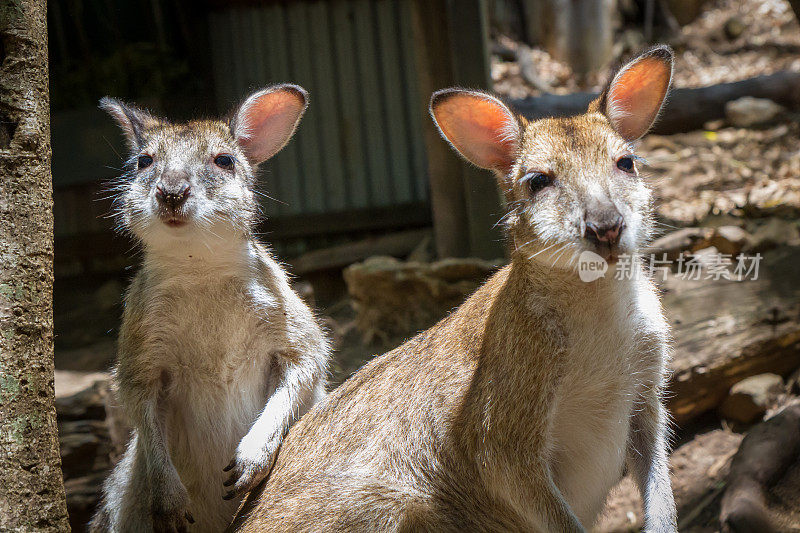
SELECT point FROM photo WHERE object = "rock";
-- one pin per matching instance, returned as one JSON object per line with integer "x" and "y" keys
{"x": 84, "y": 440}
{"x": 681, "y": 241}
{"x": 528, "y": 69}
{"x": 424, "y": 252}
{"x": 83, "y": 495}
{"x": 85, "y": 447}
{"x": 733, "y": 28}
{"x": 85, "y": 462}
{"x": 69, "y": 382}
{"x": 750, "y": 398}
{"x": 747, "y": 111}
{"x": 706, "y": 256}
{"x": 86, "y": 404}
{"x": 697, "y": 469}
{"x": 730, "y": 240}
{"x": 502, "y": 51}
{"x": 762, "y": 490}
{"x": 773, "y": 233}
{"x": 393, "y": 297}
{"x": 685, "y": 11}
{"x": 793, "y": 382}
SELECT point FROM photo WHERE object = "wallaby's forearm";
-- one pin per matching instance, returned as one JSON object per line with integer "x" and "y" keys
{"x": 256, "y": 451}
{"x": 648, "y": 461}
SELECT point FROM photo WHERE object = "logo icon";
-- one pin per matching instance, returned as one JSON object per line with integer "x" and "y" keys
{"x": 591, "y": 266}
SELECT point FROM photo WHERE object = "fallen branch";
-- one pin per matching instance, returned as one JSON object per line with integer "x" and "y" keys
{"x": 686, "y": 109}
{"x": 397, "y": 244}
{"x": 765, "y": 455}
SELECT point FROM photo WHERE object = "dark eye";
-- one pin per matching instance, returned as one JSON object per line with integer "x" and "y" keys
{"x": 144, "y": 161}
{"x": 224, "y": 161}
{"x": 625, "y": 164}
{"x": 538, "y": 181}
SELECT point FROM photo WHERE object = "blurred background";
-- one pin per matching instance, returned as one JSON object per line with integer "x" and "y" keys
{"x": 386, "y": 230}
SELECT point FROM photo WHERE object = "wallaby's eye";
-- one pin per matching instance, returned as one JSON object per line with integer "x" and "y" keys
{"x": 537, "y": 181}
{"x": 144, "y": 161}
{"x": 625, "y": 164}
{"x": 224, "y": 161}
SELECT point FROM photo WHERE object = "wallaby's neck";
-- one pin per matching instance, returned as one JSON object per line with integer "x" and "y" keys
{"x": 230, "y": 254}
{"x": 565, "y": 285}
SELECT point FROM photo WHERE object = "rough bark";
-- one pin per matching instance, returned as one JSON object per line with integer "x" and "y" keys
{"x": 726, "y": 331}
{"x": 686, "y": 109}
{"x": 31, "y": 487}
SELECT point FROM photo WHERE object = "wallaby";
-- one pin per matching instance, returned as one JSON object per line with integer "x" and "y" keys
{"x": 518, "y": 411}
{"x": 217, "y": 354}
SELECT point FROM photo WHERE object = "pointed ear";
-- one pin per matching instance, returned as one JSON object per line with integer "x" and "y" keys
{"x": 266, "y": 120}
{"x": 479, "y": 126}
{"x": 131, "y": 119}
{"x": 635, "y": 95}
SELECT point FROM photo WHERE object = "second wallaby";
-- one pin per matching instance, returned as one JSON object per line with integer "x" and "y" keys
{"x": 217, "y": 354}
{"x": 520, "y": 410}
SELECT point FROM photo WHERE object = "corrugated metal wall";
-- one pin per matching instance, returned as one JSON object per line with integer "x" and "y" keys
{"x": 360, "y": 144}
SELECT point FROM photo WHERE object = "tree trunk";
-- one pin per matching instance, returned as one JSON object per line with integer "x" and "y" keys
{"x": 578, "y": 32}
{"x": 31, "y": 487}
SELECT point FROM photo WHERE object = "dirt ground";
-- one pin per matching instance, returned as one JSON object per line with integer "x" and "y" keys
{"x": 705, "y": 55}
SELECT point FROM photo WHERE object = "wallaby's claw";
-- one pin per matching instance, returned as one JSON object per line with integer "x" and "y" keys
{"x": 253, "y": 461}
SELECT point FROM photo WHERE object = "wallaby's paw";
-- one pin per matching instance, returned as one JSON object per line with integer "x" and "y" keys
{"x": 253, "y": 461}
{"x": 171, "y": 514}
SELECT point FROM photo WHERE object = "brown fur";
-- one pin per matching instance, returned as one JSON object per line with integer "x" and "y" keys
{"x": 518, "y": 411}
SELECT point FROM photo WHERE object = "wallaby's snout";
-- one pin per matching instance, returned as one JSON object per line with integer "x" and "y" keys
{"x": 603, "y": 225}
{"x": 173, "y": 189}
{"x": 606, "y": 229}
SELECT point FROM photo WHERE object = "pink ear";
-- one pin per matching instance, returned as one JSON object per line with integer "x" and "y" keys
{"x": 635, "y": 95}
{"x": 265, "y": 122}
{"x": 478, "y": 125}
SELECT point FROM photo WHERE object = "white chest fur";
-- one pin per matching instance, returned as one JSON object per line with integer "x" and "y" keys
{"x": 209, "y": 346}
{"x": 604, "y": 373}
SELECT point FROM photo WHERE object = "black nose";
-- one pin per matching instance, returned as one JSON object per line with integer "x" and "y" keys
{"x": 172, "y": 196}
{"x": 605, "y": 231}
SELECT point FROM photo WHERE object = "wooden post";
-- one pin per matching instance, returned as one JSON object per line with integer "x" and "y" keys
{"x": 468, "y": 23}
{"x": 452, "y": 49}
{"x": 434, "y": 71}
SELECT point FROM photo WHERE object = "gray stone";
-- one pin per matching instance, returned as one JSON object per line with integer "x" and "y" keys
{"x": 734, "y": 27}
{"x": 681, "y": 241}
{"x": 748, "y": 111}
{"x": 395, "y": 297}
{"x": 750, "y": 398}
{"x": 730, "y": 239}
{"x": 773, "y": 233}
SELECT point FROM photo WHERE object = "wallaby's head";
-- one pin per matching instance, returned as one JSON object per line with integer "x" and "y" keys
{"x": 571, "y": 184}
{"x": 196, "y": 179}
